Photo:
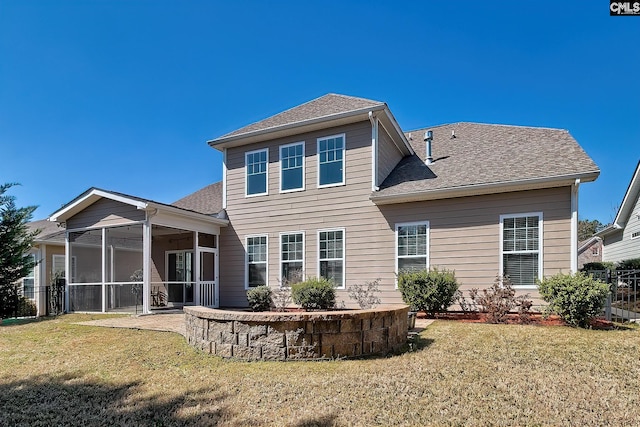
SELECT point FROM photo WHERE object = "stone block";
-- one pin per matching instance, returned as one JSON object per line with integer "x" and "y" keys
{"x": 326, "y": 351}
{"x": 257, "y": 331}
{"x": 273, "y": 353}
{"x": 297, "y": 338}
{"x": 351, "y": 325}
{"x": 228, "y": 338}
{"x": 377, "y": 323}
{"x": 213, "y": 335}
{"x": 247, "y": 353}
{"x": 220, "y": 326}
{"x": 346, "y": 338}
{"x": 327, "y": 326}
{"x": 243, "y": 339}
{"x": 241, "y": 327}
{"x": 275, "y": 339}
{"x": 286, "y": 326}
{"x": 303, "y": 352}
{"x": 224, "y": 350}
{"x": 347, "y": 349}
{"x": 373, "y": 335}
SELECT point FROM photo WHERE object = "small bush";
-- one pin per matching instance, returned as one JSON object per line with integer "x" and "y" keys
{"x": 314, "y": 293}
{"x": 259, "y": 298}
{"x": 500, "y": 299}
{"x": 431, "y": 291}
{"x": 365, "y": 295}
{"x": 26, "y": 308}
{"x": 576, "y": 298}
{"x": 281, "y": 298}
{"x": 591, "y": 266}
{"x": 629, "y": 264}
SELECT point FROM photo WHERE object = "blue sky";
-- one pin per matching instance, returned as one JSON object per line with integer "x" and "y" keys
{"x": 123, "y": 95}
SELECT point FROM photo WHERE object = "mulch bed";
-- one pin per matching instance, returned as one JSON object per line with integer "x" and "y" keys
{"x": 534, "y": 319}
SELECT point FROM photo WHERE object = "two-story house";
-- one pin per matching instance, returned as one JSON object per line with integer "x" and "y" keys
{"x": 335, "y": 188}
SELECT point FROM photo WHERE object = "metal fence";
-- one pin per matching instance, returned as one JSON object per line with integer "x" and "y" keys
{"x": 623, "y": 304}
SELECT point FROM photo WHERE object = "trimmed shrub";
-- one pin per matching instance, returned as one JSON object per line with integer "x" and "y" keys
{"x": 591, "y": 266}
{"x": 314, "y": 293}
{"x": 629, "y": 264}
{"x": 431, "y": 291}
{"x": 366, "y": 295}
{"x": 500, "y": 299}
{"x": 26, "y": 308}
{"x": 259, "y": 298}
{"x": 576, "y": 298}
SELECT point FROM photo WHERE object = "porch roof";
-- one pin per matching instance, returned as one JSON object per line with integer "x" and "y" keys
{"x": 94, "y": 194}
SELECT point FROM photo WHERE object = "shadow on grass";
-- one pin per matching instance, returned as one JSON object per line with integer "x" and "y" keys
{"x": 319, "y": 421}
{"x": 12, "y": 321}
{"x": 75, "y": 401}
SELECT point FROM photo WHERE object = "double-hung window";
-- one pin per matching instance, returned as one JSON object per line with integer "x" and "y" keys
{"x": 256, "y": 261}
{"x": 291, "y": 258}
{"x": 256, "y": 172}
{"x": 521, "y": 256}
{"x": 412, "y": 241}
{"x": 331, "y": 255}
{"x": 29, "y": 281}
{"x": 331, "y": 160}
{"x": 292, "y": 167}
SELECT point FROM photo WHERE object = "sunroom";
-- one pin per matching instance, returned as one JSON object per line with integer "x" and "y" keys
{"x": 127, "y": 254}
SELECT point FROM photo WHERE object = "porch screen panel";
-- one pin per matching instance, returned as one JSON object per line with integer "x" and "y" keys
{"x": 85, "y": 291}
{"x": 124, "y": 260}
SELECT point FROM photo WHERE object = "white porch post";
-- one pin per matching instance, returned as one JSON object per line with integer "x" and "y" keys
{"x": 104, "y": 270}
{"x": 41, "y": 284}
{"x": 146, "y": 267}
{"x": 196, "y": 267}
{"x": 67, "y": 272}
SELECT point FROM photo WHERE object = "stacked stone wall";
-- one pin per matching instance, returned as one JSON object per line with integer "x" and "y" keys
{"x": 297, "y": 336}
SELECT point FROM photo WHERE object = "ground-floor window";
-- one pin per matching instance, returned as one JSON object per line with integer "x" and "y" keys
{"x": 412, "y": 246}
{"x": 291, "y": 257}
{"x": 331, "y": 249}
{"x": 521, "y": 255}
{"x": 256, "y": 261}
{"x": 29, "y": 281}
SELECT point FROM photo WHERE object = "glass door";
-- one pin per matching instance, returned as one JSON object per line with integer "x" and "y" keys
{"x": 180, "y": 277}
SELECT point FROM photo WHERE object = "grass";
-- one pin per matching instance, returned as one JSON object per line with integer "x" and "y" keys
{"x": 54, "y": 372}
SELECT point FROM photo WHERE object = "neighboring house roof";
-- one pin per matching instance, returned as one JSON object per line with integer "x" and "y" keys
{"x": 584, "y": 244}
{"x": 628, "y": 203}
{"x": 323, "y": 112}
{"x": 476, "y": 158}
{"x": 94, "y": 194}
{"x": 50, "y": 232}
{"x": 207, "y": 200}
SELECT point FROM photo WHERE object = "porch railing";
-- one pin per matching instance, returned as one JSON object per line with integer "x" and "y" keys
{"x": 623, "y": 303}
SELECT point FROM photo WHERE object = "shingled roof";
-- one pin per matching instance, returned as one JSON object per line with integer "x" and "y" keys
{"x": 207, "y": 200}
{"x": 484, "y": 154}
{"x": 50, "y": 232}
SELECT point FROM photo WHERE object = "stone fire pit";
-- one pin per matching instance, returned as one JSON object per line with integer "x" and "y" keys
{"x": 297, "y": 335}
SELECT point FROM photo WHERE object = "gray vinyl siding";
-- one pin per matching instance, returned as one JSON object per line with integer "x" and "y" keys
{"x": 464, "y": 232}
{"x": 105, "y": 212}
{"x": 620, "y": 245}
{"x": 388, "y": 155}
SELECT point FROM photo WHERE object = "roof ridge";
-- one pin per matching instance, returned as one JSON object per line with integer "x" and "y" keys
{"x": 486, "y": 124}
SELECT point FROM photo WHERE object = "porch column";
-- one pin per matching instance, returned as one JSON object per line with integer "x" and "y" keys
{"x": 196, "y": 267}
{"x": 67, "y": 271}
{"x": 146, "y": 267}
{"x": 41, "y": 283}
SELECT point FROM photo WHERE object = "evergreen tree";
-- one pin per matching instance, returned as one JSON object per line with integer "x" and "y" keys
{"x": 15, "y": 242}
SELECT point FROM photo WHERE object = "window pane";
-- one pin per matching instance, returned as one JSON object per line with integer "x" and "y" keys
{"x": 257, "y": 274}
{"x": 522, "y": 269}
{"x": 331, "y": 173}
{"x": 256, "y": 171}
{"x": 332, "y": 270}
{"x": 257, "y": 184}
{"x": 291, "y": 272}
{"x": 292, "y": 179}
{"x": 419, "y": 263}
{"x": 330, "y": 154}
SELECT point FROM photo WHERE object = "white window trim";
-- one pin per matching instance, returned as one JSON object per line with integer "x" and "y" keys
{"x": 344, "y": 254}
{"x": 540, "y": 245}
{"x": 344, "y": 160}
{"x": 395, "y": 243}
{"x": 304, "y": 253}
{"x": 637, "y": 235}
{"x": 293, "y": 190}
{"x": 246, "y": 175}
{"x": 246, "y": 259}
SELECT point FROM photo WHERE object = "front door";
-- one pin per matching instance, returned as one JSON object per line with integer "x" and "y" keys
{"x": 207, "y": 292}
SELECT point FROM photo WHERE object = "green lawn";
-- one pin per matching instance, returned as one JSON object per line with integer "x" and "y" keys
{"x": 53, "y": 372}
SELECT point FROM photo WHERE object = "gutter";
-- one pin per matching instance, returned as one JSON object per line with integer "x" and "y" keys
{"x": 479, "y": 189}
{"x": 374, "y": 151}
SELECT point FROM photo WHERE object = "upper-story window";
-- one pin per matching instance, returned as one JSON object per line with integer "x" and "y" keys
{"x": 331, "y": 160}
{"x": 292, "y": 167}
{"x": 256, "y": 166}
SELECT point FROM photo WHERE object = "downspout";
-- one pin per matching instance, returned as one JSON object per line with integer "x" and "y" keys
{"x": 224, "y": 178}
{"x": 574, "y": 225}
{"x": 374, "y": 151}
